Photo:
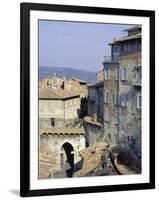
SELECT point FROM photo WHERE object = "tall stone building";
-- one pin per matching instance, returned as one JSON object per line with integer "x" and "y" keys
{"x": 61, "y": 134}
{"x": 93, "y": 123}
{"x": 57, "y": 108}
{"x": 122, "y": 91}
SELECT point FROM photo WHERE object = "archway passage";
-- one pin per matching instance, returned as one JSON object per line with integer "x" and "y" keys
{"x": 67, "y": 159}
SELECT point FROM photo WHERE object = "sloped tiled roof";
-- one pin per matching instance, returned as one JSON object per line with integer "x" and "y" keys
{"x": 79, "y": 80}
{"x": 62, "y": 130}
{"x": 90, "y": 120}
{"x": 98, "y": 84}
{"x": 51, "y": 93}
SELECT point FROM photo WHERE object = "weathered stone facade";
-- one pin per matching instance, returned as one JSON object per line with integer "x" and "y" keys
{"x": 61, "y": 135}
{"x": 100, "y": 76}
{"x": 93, "y": 130}
{"x": 119, "y": 111}
{"x": 58, "y": 113}
{"x": 63, "y": 144}
{"x": 111, "y": 91}
{"x": 122, "y": 86}
{"x": 93, "y": 123}
{"x": 130, "y": 115}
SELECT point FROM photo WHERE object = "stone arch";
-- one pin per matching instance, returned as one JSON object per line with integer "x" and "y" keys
{"x": 67, "y": 158}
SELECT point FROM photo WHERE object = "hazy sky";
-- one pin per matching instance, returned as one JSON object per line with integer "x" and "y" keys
{"x": 76, "y": 45}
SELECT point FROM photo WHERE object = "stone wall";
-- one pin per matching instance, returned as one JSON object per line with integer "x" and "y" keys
{"x": 100, "y": 75}
{"x": 130, "y": 115}
{"x": 111, "y": 86}
{"x": 53, "y": 143}
{"x": 93, "y": 130}
{"x": 62, "y": 112}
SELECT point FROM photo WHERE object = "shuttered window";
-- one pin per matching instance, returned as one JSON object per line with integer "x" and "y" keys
{"x": 123, "y": 99}
{"x": 106, "y": 97}
{"x": 139, "y": 102}
{"x": 106, "y": 74}
{"x": 115, "y": 98}
{"x": 124, "y": 74}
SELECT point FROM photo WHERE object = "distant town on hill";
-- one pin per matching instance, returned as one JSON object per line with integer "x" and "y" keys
{"x": 61, "y": 72}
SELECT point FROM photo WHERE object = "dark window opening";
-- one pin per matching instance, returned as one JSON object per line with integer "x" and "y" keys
{"x": 53, "y": 122}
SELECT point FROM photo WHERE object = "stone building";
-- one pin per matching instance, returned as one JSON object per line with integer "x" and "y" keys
{"x": 82, "y": 87}
{"x": 74, "y": 85}
{"x": 57, "y": 107}
{"x": 61, "y": 135}
{"x": 53, "y": 82}
{"x": 93, "y": 123}
{"x": 59, "y": 151}
{"x": 79, "y": 87}
{"x": 122, "y": 91}
{"x": 100, "y": 76}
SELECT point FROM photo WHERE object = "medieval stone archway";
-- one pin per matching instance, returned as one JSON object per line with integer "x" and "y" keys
{"x": 59, "y": 151}
{"x": 67, "y": 159}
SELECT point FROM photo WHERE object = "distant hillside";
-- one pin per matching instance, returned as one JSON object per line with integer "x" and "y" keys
{"x": 88, "y": 76}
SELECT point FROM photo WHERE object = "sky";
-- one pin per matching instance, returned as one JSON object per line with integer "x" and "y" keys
{"x": 76, "y": 45}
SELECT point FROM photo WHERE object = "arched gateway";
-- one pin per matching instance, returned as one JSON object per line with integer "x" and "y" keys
{"x": 67, "y": 159}
{"x": 63, "y": 145}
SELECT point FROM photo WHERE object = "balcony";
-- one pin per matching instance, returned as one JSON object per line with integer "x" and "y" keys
{"x": 137, "y": 83}
{"x": 110, "y": 59}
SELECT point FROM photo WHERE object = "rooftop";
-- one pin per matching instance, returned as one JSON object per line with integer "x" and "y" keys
{"x": 79, "y": 80}
{"x": 61, "y": 131}
{"x": 126, "y": 38}
{"x": 51, "y": 93}
{"x": 133, "y": 28}
{"x": 90, "y": 120}
{"x": 93, "y": 161}
{"x": 98, "y": 84}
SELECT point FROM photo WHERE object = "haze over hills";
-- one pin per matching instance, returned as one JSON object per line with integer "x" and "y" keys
{"x": 61, "y": 72}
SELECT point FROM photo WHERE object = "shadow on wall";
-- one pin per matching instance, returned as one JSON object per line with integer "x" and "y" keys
{"x": 83, "y": 111}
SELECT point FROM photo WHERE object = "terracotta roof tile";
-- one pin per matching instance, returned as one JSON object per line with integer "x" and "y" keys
{"x": 90, "y": 120}
{"x": 54, "y": 93}
{"x": 62, "y": 130}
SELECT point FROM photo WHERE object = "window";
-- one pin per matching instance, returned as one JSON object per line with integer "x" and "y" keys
{"x": 117, "y": 74}
{"x": 123, "y": 100}
{"x": 124, "y": 74}
{"x": 125, "y": 47}
{"x": 129, "y": 47}
{"x": 53, "y": 122}
{"x": 92, "y": 94}
{"x": 139, "y": 46}
{"x": 107, "y": 74}
{"x": 106, "y": 115}
{"x": 106, "y": 97}
{"x": 116, "y": 98}
{"x": 138, "y": 74}
{"x": 139, "y": 102}
{"x": 48, "y": 83}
